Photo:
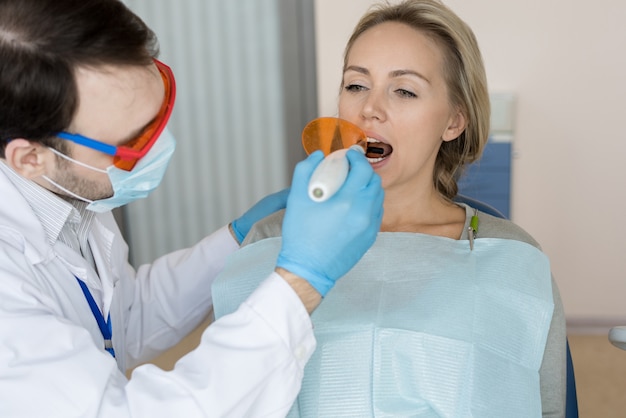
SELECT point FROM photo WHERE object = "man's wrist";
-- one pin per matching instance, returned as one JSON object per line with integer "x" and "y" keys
{"x": 310, "y": 297}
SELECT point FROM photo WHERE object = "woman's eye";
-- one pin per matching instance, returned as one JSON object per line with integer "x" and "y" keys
{"x": 354, "y": 87}
{"x": 405, "y": 93}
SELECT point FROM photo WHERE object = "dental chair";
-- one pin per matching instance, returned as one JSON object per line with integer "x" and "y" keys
{"x": 617, "y": 336}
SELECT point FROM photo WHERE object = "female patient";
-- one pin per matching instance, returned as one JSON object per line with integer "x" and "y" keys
{"x": 440, "y": 318}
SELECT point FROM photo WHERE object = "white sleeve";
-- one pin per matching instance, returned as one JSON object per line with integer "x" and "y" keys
{"x": 249, "y": 363}
{"x": 169, "y": 297}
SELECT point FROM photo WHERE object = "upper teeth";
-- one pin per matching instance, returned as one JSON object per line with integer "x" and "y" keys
{"x": 375, "y": 159}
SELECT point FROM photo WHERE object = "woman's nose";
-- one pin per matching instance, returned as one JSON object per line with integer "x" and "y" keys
{"x": 373, "y": 107}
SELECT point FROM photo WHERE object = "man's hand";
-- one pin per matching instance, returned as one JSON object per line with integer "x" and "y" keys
{"x": 322, "y": 241}
{"x": 264, "y": 207}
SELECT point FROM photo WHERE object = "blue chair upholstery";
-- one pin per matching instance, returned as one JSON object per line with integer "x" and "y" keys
{"x": 571, "y": 400}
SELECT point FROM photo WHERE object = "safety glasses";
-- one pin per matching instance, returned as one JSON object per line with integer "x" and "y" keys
{"x": 127, "y": 155}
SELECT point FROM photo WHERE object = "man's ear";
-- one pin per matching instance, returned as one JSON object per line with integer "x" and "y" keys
{"x": 456, "y": 126}
{"x": 26, "y": 158}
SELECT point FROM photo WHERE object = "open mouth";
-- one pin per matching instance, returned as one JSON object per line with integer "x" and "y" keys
{"x": 377, "y": 151}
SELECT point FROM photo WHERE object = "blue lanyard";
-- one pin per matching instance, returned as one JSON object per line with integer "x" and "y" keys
{"x": 105, "y": 326}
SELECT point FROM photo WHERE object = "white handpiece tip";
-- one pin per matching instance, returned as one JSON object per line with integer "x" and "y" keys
{"x": 329, "y": 176}
{"x": 318, "y": 192}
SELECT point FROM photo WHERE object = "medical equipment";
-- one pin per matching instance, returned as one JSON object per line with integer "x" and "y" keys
{"x": 330, "y": 174}
{"x": 334, "y": 137}
{"x": 617, "y": 336}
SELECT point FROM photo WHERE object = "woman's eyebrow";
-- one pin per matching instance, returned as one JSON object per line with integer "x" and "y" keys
{"x": 399, "y": 73}
{"x": 357, "y": 69}
{"x": 393, "y": 74}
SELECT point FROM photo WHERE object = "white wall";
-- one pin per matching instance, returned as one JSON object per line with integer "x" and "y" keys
{"x": 566, "y": 62}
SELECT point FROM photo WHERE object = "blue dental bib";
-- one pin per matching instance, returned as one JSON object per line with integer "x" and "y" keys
{"x": 421, "y": 327}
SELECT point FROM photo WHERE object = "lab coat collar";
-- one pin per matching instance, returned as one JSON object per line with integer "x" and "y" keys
{"x": 19, "y": 225}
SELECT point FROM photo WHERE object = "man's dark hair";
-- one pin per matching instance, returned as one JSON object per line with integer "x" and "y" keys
{"x": 42, "y": 42}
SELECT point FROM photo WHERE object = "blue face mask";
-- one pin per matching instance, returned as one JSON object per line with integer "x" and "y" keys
{"x": 129, "y": 186}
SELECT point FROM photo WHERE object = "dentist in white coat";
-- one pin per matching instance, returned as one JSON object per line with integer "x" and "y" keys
{"x": 83, "y": 111}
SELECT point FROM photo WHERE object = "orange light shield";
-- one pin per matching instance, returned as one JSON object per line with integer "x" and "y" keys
{"x": 330, "y": 134}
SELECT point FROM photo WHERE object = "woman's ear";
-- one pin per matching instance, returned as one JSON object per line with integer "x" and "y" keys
{"x": 456, "y": 126}
{"x": 27, "y": 158}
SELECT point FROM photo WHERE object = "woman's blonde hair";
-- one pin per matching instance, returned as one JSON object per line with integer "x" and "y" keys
{"x": 464, "y": 74}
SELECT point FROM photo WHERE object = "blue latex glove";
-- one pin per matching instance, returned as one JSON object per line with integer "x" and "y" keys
{"x": 322, "y": 241}
{"x": 264, "y": 207}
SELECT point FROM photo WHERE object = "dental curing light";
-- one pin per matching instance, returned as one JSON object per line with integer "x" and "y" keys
{"x": 333, "y": 136}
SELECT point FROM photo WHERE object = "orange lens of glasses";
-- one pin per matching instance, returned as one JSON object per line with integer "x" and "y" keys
{"x": 331, "y": 134}
{"x": 128, "y": 154}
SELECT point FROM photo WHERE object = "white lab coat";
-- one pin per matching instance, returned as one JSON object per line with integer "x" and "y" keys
{"x": 52, "y": 361}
